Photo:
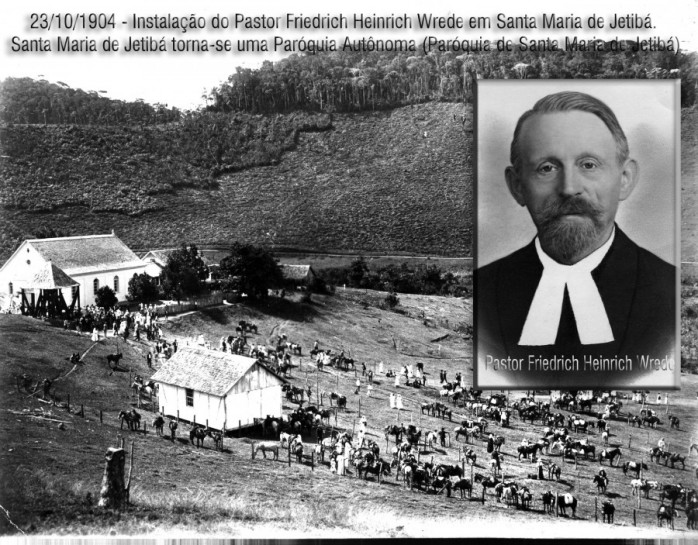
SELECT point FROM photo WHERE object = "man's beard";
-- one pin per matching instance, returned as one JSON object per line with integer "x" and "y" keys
{"x": 564, "y": 239}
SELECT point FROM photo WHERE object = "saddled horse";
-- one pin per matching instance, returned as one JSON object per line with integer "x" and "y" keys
{"x": 132, "y": 419}
{"x": 463, "y": 485}
{"x": 173, "y": 429}
{"x": 113, "y": 359}
{"x": 634, "y": 466}
{"x": 656, "y": 452}
{"x": 396, "y": 431}
{"x": 197, "y": 435}
{"x": 564, "y": 501}
{"x": 672, "y": 458}
{"x": 377, "y": 468}
{"x": 609, "y": 455}
{"x": 666, "y": 514}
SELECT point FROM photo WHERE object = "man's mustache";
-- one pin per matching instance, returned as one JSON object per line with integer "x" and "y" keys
{"x": 555, "y": 208}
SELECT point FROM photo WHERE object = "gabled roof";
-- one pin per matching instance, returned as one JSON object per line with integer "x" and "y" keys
{"x": 295, "y": 272}
{"x": 77, "y": 255}
{"x": 161, "y": 256}
{"x": 50, "y": 277}
{"x": 208, "y": 371}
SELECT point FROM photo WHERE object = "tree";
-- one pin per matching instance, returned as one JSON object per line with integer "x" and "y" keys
{"x": 357, "y": 272}
{"x": 49, "y": 232}
{"x": 184, "y": 273}
{"x": 105, "y": 297}
{"x": 251, "y": 269}
{"x": 142, "y": 289}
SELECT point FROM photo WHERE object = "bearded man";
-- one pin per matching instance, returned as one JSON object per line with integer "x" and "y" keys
{"x": 581, "y": 305}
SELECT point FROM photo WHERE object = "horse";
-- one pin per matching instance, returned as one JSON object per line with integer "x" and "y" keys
{"x": 529, "y": 451}
{"x": 554, "y": 470}
{"x": 548, "y": 499}
{"x": 444, "y": 470}
{"x": 397, "y": 431}
{"x": 525, "y": 498}
{"x": 651, "y": 421}
{"x": 634, "y": 466}
{"x": 463, "y": 485}
{"x": 296, "y": 449}
{"x": 159, "y": 424}
{"x": 609, "y": 455}
{"x": 601, "y": 483}
{"x": 197, "y": 435}
{"x": 673, "y": 492}
{"x": 173, "y": 429}
{"x": 265, "y": 447}
{"x": 666, "y": 514}
{"x": 132, "y": 419}
{"x": 217, "y": 439}
{"x": 656, "y": 452}
{"x": 674, "y": 422}
{"x": 470, "y": 456}
{"x": 564, "y": 501}
{"x": 607, "y": 510}
{"x": 378, "y": 468}
{"x": 673, "y": 458}
{"x": 113, "y": 360}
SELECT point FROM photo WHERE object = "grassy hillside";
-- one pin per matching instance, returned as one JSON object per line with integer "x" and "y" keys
{"x": 51, "y": 475}
{"x": 388, "y": 182}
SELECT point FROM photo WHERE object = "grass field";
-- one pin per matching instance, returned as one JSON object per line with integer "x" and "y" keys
{"x": 51, "y": 475}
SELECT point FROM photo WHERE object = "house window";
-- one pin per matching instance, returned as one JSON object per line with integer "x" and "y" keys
{"x": 190, "y": 397}
{"x": 11, "y": 290}
{"x": 116, "y": 284}
{"x": 95, "y": 285}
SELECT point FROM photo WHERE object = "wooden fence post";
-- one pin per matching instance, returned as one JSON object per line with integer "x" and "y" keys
{"x": 252, "y": 445}
{"x": 177, "y": 416}
{"x": 634, "y": 518}
{"x": 100, "y": 417}
{"x": 596, "y": 508}
{"x": 359, "y": 406}
{"x": 68, "y": 401}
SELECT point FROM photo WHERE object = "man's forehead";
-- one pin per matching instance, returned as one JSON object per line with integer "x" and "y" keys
{"x": 566, "y": 132}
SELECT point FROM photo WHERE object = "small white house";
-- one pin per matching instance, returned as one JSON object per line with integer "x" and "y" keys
{"x": 91, "y": 261}
{"x": 225, "y": 390}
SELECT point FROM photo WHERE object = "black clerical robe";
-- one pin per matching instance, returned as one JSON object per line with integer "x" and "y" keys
{"x": 639, "y": 292}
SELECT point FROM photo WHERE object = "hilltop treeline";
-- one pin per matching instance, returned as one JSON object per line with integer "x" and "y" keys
{"x": 420, "y": 279}
{"x": 25, "y": 100}
{"x": 346, "y": 82}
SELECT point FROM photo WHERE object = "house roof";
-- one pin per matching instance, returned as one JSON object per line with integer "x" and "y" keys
{"x": 50, "y": 277}
{"x": 295, "y": 272}
{"x": 161, "y": 256}
{"x": 208, "y": 371}
{"x": 77, "y": 255}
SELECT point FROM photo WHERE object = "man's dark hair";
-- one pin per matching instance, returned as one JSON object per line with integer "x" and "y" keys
{"x": 567, "y": 101}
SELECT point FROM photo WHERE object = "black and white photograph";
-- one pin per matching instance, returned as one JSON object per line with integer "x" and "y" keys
{"x": 574, "y": 301}
{"x": 254, "y": 259}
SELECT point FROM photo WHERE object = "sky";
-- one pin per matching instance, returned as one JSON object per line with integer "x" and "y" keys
{"x": 181, "y": 79}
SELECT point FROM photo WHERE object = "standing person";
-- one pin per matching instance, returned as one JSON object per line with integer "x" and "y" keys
{"x": 95, "y": 334}
{"x": 490, "y": 444}
{"x": 174, "y": 346}
{"x": 358, "y": 386}
{"x": 540, "y": 470}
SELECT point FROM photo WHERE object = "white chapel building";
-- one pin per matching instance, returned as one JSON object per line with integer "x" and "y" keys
{"x": 91, "y": 261}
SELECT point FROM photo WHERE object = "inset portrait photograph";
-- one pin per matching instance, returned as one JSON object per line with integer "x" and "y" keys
{"x": 577, "y": 234}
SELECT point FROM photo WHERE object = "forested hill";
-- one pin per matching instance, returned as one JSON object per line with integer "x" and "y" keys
{"x": 336, "y": 152}
{"x": 389, "y": 181}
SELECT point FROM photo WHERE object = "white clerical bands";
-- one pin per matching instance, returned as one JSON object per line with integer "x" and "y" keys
{"x": 543, "y": 318}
